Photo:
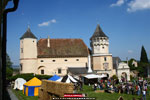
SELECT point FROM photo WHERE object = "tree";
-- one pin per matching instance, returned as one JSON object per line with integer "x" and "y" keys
{"x": 8, "y": 61}
{"x": 132, "y": 67}
{"x": 9, "y": 69}
{"x": 143, "y": 58}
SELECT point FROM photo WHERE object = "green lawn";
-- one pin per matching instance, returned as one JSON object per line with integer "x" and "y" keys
{"x": 21, "y": 96}
{"x": 108, "y": 96}
{"x": 89, "y": 91}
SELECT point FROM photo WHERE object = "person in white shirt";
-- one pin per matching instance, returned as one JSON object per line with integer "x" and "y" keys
{"x": 144, "y": 94}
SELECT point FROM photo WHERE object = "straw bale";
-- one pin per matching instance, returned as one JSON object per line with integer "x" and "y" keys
{"x": 99, "y": 91}
{"x": 57, "y": 88}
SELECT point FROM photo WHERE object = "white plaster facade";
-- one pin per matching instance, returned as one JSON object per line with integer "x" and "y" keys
{"x": 123, "y": 68}
{"x": 30, "y": 63}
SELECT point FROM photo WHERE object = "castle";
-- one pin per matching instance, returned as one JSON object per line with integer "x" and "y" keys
{"x": 61, "y": 56}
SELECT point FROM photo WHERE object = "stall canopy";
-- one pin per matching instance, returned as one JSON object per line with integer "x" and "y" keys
{"x": 32, "y": 86}
{"x": 92, "y": 76}
{"x": 68, "y": 79}
{"x": 54, "y": 78}
{"x": 19, "y": 83}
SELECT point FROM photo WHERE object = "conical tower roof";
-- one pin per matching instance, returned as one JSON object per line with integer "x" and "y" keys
{"x": 98, "y": 32}
{"x": 28, "y": 34}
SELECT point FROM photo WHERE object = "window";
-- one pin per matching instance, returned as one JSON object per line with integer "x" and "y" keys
{"x": 66, "y": 60}
{"x": 21, "y": 67}
{"x": 33, "y": 40}
{"x": 21, "y": 50}
{"x": 53, "y": 60}
{"x": 59, "y": 71}
{"x": 42, "y": 60}
{"x": 42, "y": 71}
{"x": 77, "y": 59}
{"x": 105, "y": 59}
{"x": 105, "y": 66}
{"x": 103, "y": 47}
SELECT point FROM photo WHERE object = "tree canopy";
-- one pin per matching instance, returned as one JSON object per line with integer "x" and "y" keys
{"x": 143, "y": 57}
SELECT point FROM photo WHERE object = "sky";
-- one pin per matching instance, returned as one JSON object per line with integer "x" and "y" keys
{"x": 125, "y": 22}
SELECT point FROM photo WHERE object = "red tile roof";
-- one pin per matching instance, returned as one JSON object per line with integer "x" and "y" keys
{"x": 62, "y": 48}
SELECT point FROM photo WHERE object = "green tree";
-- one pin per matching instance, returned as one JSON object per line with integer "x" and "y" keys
{"x": 9, "y": 69}
{"x": 132, "y": 67}
{"x": 143, "y": 64}
{"x": 143, "y": 58}
{"x": 8, "y": 61}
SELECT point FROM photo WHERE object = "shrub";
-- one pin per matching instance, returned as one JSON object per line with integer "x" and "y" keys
{"x": 114, "y": 77}
{"x": 29, "y": 76}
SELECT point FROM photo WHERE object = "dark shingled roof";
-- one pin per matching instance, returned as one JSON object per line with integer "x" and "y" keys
{"x": 78, "y": 70}
{"x": 28, "y": 34}
{"x": 62, "y": 48}
{"x": 98, "y": 32}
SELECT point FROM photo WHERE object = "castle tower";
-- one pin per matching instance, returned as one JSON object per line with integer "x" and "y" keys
{"x": 28, "y": 52}
{"x": 102, "y": 59}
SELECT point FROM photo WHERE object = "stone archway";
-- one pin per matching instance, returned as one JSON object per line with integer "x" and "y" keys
{"x": 123, "y": 71}
{"x": 41, "y": 70}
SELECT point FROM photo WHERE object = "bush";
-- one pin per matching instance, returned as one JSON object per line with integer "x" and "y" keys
{"x": 43, "y": 76}
{"x": 29, "y": 76}
{"x": 114, "y": 77}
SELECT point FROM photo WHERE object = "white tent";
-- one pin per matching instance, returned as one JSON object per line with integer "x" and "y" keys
{"x": 67, "y": 79}
{"x": 59, "y": 80}
{"x": 92, "y": 76}
{"x": 19, "y": 83}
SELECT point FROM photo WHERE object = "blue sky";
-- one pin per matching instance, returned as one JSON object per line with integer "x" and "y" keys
{"x": 125, "y": 22}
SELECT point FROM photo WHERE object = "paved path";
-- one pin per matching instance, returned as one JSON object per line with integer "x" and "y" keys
{"x": 11, "y": 94}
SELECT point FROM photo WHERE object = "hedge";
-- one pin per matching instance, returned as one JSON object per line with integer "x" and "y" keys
{"x": 29, "y": 76}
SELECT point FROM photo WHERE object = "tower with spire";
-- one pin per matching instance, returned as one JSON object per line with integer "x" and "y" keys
{"x": 102, "y": 59}
{"x": 28, "y": 52}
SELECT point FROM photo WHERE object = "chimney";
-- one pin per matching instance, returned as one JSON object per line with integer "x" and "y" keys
{"x": 89, "y": 64}
{"x": 48, "y": 42}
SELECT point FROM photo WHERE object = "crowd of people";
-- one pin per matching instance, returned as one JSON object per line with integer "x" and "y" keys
{"x": 135, "y": 88}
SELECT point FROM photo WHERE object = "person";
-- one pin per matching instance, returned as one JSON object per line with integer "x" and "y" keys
{"x": 95, "y": 86}
{"x": 139, "y": 89}
{"x": 144, "y": 94}
{"x": 81, "y": 86}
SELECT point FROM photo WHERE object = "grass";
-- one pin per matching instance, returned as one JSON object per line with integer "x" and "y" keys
{"x": 21, "y": 96}
{"x": 89, "y": 91}
{"x": 107, "y": 96}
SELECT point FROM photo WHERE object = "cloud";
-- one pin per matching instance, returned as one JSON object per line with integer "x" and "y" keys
{"x": 47, "y": 23}
{"x": 136, "y": 5}
{"x": 130, "y": 51}
{"x": 118, "y": 3}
